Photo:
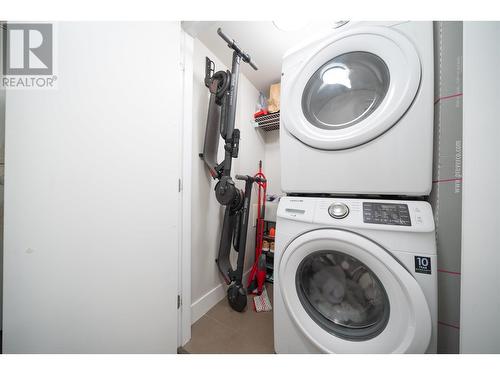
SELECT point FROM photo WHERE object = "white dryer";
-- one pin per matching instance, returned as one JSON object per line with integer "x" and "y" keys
{"x": 355, "y": 276}
{"x": 357, "y": 111}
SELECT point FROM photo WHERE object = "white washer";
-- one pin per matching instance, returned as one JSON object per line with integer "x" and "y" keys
{"x": 357, "y": 111}
{"x": 355, "y": 276}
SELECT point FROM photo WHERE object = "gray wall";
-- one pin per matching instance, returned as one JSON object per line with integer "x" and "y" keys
{"x": 2, "y": 148}
{"x": 480, "y": 331}
{"x": 446, "y": 195}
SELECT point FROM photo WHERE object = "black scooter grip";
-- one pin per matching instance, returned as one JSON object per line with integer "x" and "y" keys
{"x": 232, "y": 44}
{"x": 225, "y": 37}
{"x": 251, "y": 63}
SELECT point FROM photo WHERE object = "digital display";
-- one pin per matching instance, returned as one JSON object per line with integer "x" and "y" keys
{"x": 386, "y": 213}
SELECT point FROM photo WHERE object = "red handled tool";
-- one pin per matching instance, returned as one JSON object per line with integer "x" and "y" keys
{"x": 257, "y": 275}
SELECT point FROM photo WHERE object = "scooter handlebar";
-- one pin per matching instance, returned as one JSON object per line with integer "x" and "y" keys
{"x": 232, "y": 44}
{"x": 225, "y": 37}
{"x": 246, "y": 178}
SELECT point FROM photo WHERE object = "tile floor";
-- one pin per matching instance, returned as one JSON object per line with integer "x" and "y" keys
{"x": 225, "y": 331}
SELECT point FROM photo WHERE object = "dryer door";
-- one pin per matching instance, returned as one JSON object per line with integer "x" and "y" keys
{"x": 349, "y": 295}
{"x": 353, "y": 87}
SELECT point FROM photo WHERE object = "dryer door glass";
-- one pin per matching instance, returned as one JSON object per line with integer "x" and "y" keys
{"x": 342, "y": 295}
{"x": 345, "y": 90}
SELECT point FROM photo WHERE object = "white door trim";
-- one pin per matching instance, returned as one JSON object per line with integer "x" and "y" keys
{"x": 184, "y": 314}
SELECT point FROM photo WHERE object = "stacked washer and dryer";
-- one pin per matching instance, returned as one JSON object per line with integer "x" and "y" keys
{"x": 355, "y": 259}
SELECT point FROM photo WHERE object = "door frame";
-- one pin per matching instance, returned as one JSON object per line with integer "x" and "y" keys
{"x": 185, "y": 180}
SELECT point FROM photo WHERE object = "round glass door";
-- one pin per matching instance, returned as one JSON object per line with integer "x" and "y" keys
{"x": 345, "y": 90}
{"x": 342, "y": 295}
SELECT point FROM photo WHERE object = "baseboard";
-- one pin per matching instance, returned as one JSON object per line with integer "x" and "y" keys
{"x": 203, "y": 304}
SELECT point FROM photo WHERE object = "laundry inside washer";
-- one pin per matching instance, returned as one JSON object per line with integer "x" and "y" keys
{"x": 342, "y": 294}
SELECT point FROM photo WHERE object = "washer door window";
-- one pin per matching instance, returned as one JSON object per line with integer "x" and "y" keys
{"x": 342, "y": 295}
{"x": 347, "y": 294}
{"x": 354, "y": 87}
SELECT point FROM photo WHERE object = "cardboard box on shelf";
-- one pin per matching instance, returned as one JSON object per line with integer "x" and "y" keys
{"x": 274, "y": 98}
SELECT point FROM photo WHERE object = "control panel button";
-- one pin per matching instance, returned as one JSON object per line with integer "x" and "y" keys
{"x": 338, "y": 210}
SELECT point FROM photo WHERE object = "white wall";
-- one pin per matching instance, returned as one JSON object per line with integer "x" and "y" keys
{"x": 480, "y": 299}
{"x": 273, "y": 163}
{"x": 207, "y": 285}
{"x": 91, "y": 214}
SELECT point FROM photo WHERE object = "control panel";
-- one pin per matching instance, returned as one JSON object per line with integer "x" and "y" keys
{"x": 372, "y": 214}
{"x": 386, "y": 213}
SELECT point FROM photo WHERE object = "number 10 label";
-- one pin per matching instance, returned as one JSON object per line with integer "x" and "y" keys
{"x": 423, "y": 265}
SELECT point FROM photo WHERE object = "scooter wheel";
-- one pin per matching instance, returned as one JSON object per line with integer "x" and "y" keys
{"x": 237, "y": 298}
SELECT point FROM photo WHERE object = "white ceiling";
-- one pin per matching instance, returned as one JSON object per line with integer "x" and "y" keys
{"x": 265, "y": 43}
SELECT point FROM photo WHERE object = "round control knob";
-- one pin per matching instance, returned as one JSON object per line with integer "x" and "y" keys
{"x": 338, "y": 210}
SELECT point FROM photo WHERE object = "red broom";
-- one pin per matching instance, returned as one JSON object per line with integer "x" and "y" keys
{"x": 257, "y": 276}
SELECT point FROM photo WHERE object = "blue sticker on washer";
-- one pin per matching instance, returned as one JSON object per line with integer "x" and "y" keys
{"x": 423, "y": 265}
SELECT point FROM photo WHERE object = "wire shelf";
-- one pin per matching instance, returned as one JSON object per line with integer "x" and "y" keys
{"x": 268, "y": 122}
